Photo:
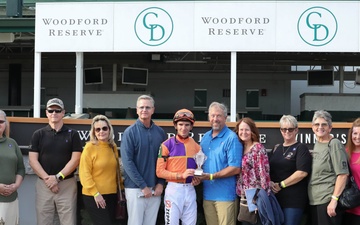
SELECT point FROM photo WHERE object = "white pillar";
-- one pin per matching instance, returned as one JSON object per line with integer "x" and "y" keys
{"x": 79, "y": 82}
{"x": 233, "y": 88}
{"x": 37, "y": 85}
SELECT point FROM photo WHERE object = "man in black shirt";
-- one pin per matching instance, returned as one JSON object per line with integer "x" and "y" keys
{"x": 54, "y": 156}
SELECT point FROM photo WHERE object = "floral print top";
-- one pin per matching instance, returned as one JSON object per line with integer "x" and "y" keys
{"x": 255, "y": 170}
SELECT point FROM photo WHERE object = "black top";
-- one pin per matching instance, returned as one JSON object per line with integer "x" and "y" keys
{"x": 55, "y": 148}
{"x": 284, "y": 161}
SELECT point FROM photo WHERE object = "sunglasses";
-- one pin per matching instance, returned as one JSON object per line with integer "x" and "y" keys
{"x": 54, "y": 110}
{"x": 287, "y": 129}
{"x": 97, "y": 130}
{"x": 183, "y": 114}
{"x": 2, "y": 121}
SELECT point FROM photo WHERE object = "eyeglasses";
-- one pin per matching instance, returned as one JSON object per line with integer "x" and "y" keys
{"x": 2, "y": 121}
{"x": 147, "y": 108}
{"x": 321, "y": 124}
{"x": 54, "y": 110}
{"x": 287, "y": 129}
{"x": 97, "y": 130}
{"x": 184, "y": 114}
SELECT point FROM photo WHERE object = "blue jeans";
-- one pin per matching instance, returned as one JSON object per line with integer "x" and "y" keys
{"x": 292, "y": 216}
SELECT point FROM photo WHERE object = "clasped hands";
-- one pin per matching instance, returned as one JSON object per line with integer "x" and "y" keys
{"x": 7, "y": 189}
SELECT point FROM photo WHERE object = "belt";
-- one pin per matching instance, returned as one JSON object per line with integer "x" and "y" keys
{"x": 67, "y": 177}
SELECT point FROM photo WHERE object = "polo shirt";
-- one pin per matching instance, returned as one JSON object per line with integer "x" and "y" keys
{"x": 55, "y": 148}
{"x": 222, "y": 151}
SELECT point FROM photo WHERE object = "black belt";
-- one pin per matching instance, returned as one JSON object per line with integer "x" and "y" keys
{"x": 67, "y": 177}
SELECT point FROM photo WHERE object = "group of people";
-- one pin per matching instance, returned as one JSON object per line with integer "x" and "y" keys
{"x": 233, "y": 161}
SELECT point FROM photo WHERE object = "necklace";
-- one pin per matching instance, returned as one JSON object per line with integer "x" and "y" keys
{"x": 285, "y": 149}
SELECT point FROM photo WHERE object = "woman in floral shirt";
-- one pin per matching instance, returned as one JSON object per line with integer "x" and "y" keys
{"x": 255, "y": 164}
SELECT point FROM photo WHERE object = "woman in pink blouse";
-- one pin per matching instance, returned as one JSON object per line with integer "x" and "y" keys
{"x": 255, "y": 167}
{"x": 352, "y": 216}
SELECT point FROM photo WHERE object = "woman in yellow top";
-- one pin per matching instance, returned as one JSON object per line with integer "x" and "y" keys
{"x": 97, "y": 171}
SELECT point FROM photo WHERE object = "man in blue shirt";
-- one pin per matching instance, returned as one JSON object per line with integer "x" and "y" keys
{"x": 139, "y": 150}
{"x": 224, "y": 152}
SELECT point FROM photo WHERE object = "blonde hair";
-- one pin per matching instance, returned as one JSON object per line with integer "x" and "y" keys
{"x": 93, "y": 138}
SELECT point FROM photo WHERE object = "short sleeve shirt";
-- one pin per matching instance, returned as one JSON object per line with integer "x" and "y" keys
{"x": 55, "y": 148}
{"x": 222, "y": 151}
{"x": 329, "y": 160}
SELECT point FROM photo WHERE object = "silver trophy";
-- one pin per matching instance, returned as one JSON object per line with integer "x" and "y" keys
{"x": 200, "y": 158}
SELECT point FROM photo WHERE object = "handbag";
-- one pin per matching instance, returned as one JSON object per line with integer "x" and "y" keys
{"x": 244, "y": 214}
{"x": 120, "y": 209}
{"x": 350, "y": 197}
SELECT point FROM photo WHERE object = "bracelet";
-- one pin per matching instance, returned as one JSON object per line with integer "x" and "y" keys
{"x": 282, "y": 183}
{"x": 334, "y": 197}
{"x": 211, "y": 176}
{"x": 62, "y": 175}
{"x": 97, "y": 194}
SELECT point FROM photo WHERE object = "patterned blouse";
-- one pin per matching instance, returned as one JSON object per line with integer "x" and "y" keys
{"x": 255, "y": 170}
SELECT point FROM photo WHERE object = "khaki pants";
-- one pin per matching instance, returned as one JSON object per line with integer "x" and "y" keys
{"x": 48, "y": 204}
{"x": 220, "y": 213}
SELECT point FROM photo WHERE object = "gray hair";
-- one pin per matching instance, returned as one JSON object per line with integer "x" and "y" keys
{"x": 322, "y": 114}
{"x": 288, "y": 119}
{"x": 220, "y": 106}
{"x": 6, "y": 130}
{"x": 145, "y": 97}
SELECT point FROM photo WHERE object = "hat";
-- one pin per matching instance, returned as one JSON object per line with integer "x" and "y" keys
{"x": 55, "y": 101}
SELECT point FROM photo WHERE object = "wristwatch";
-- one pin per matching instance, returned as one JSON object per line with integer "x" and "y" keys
{"x": 59, "y": 177}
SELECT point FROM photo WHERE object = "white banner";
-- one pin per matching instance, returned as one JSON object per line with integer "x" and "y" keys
{"x": 266, "y": 26}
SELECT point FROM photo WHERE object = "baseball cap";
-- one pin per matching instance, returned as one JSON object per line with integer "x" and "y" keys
{"x": 55, "y": 101}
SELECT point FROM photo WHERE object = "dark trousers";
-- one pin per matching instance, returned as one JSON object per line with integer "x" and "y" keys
{"x": 100, "y": 216}
{"x": 351, "y": 219}
{"x": 319, "y": 215}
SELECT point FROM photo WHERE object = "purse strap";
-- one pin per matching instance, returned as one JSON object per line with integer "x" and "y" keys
{"x": 119, "y": 179}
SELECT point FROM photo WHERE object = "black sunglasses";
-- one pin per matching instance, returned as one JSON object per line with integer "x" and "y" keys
{"x": 287, "y": 129}
{"x": 97, "y": 130}
{"x": 54, "y": 110}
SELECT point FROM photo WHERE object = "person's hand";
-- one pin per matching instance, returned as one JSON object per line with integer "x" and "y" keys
{"x": 195, "y": 181}
{"x": 204, "y": 176}
{"x": 147, "y": 192}
{"x": 50, "y": 181}
{"x": 275, "y": 187}
{"x": 187, "y": 173}
{"x": 100, "y": 201}
{"x": 158, "y": 190}
{"x": 331, "y": 208}
{"x": 55, "y": 189}
{"x": 11, "y": 188}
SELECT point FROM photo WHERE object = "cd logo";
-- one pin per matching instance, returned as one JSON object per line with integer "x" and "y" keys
{"x": 153, "y": 26}
{"x": 317, "y": 26}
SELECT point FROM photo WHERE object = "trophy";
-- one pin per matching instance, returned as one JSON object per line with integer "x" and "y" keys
{"x": 200, "y": 158}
